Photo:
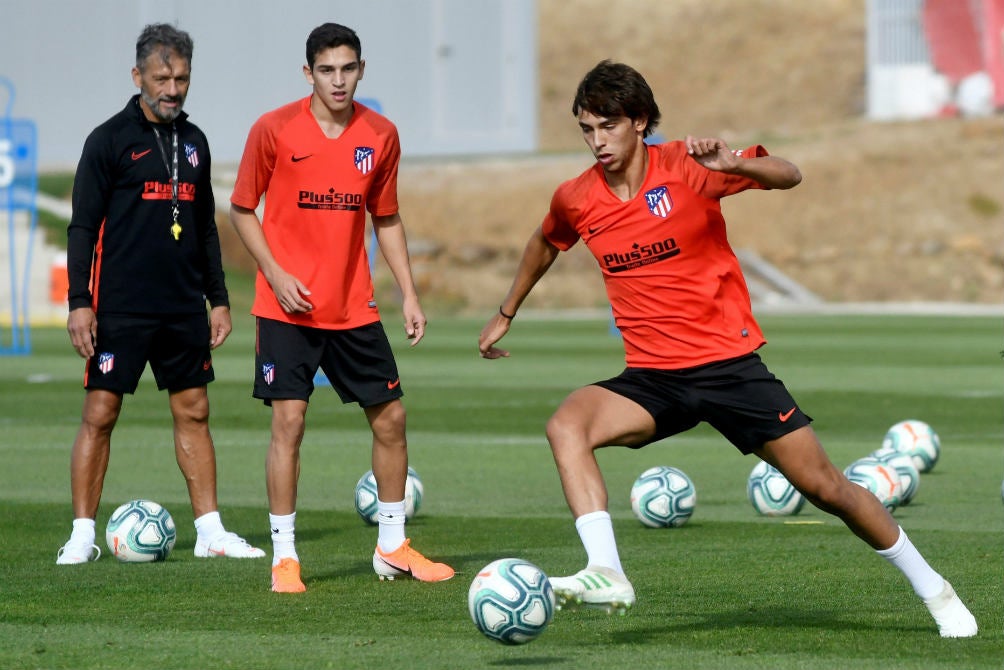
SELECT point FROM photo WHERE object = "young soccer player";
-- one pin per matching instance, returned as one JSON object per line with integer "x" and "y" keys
{"x": 321, "y": 163}
{"x": 651, "y": 217}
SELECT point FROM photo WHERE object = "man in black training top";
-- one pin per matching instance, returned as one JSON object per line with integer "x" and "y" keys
{"x": 143, "y": 259}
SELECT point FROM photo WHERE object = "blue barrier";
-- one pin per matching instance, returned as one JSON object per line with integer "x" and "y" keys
{"x": 18, "y": 187}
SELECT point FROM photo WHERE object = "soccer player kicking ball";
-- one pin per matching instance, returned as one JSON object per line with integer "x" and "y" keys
{"x": 651, "y": 217}
{"x": 322, "y": 162}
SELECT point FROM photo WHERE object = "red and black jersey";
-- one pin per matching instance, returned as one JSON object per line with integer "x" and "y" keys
{"x": 121, "y": 254}
{"x": 317, "y": 192}
{"x": 678, "y": 294}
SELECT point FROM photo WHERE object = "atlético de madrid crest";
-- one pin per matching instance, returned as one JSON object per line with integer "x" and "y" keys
{"x": 363, "y": 159}
{"x": 659, "y": 201}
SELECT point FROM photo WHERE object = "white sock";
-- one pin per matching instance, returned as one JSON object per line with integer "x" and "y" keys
{"x": 209, "y": 526}
{"x": 83, "y": 532}
{"x": 390, "y": 517}
{"x": 283, "y": 537}
{"x": 596, "y": 531}
{"x": 925, "y": 581}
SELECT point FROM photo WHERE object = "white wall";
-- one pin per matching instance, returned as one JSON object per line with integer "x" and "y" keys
{"x": 456, "y": 76}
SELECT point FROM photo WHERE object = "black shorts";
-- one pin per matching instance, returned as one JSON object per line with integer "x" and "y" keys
{"x": 739, "y": 397}
{"x": 175, "y": 345}
{"x": 358, "y": 362}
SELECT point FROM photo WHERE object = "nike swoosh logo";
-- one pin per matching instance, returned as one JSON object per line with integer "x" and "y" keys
{"x": 137, "y": 156}
{"x": 786, "y": 415}
{"x": 394, "y": 384}
{"x": 297, "y": 159}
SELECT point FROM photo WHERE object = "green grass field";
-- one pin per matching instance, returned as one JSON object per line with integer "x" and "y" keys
{"x": 728, "y": 590}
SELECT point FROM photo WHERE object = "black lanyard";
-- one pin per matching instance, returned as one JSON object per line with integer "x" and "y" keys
{"x": 172, "y": 172}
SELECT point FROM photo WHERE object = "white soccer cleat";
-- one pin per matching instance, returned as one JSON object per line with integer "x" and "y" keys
{"x": 73, "y": 553}
{"x": 597, "y": 587}
{"x": 228, "y": 545}
{"x": 952, "y": 616}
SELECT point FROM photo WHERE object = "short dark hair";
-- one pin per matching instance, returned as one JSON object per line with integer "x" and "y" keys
{"x": 615, "y": 89}
{"x": 165, "y": 37}
{"x": 330, "y": 36}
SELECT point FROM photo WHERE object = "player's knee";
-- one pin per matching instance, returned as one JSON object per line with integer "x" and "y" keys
{"x": 394, "y": 415}
{"x": 564, "y": 432}
{"x": 97, "y": 420}
{"x": 101, "y": 411}
{"x": 287, "y": 427}
{"x": 190, "y": 406}
{"x": 830, "y": 493}
{"x": 388, "y": 420}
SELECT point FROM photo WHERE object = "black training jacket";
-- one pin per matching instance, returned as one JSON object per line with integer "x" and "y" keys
{"x": 121, "y": 255}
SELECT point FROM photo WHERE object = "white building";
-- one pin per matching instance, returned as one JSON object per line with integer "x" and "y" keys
{"x": 456, "y": 76}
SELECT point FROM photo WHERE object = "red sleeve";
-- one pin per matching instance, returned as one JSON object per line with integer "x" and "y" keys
{"x": 557, "y": 226}
{"x": 713, "y": 184}
{"x": 256, "y": 166}
{"x": 382, "y": 198}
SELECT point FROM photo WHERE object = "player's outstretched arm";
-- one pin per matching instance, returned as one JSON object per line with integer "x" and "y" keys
{"x": 538, "y": 255}
{"x": 771, "y": 171}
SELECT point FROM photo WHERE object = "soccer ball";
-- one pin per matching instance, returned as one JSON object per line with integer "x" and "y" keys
{"x": 366, "y": 496}
{"x": 140, "y": 531}
{"x": 879, "y": 478}
{"x": 511, "y": 601}
{"x": 917, "y": 439}
{"x": 770, "y": 493}
{"x": 909, "y": 477}
{"x": 663, "y": 497}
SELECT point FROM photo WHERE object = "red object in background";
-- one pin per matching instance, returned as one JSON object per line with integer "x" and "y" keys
{"x": 964, "y": 37}
{"x": 993, "y": 46}
{"x": 952, "y": 38}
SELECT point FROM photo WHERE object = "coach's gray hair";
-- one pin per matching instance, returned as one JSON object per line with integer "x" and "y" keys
{"x": 166, "y": 38}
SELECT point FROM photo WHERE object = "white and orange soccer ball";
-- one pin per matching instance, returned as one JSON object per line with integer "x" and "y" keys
{"x": 902, "y": 462}
{"x": 878, "y": 477}
{"x": 917, "y": 439}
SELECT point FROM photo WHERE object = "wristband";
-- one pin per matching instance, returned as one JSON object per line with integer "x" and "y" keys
{"x": 506, "y": 316}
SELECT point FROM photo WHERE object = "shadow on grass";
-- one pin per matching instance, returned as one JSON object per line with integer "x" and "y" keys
{"x": 529, "y": 662}
{"x": 778, "y": 619}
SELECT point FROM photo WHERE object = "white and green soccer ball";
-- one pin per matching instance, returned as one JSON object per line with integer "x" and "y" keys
{"x": 140, "y": 531}
{"x": 663, "y": 497}
{"x": 902, "y": 462}
{"x": 879, "y": 478}
{"x": 770, "y": 492}
{"x": 366, "y": 496}
{"x": 511, "y": 601}
{"x": 917, "y": 439}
